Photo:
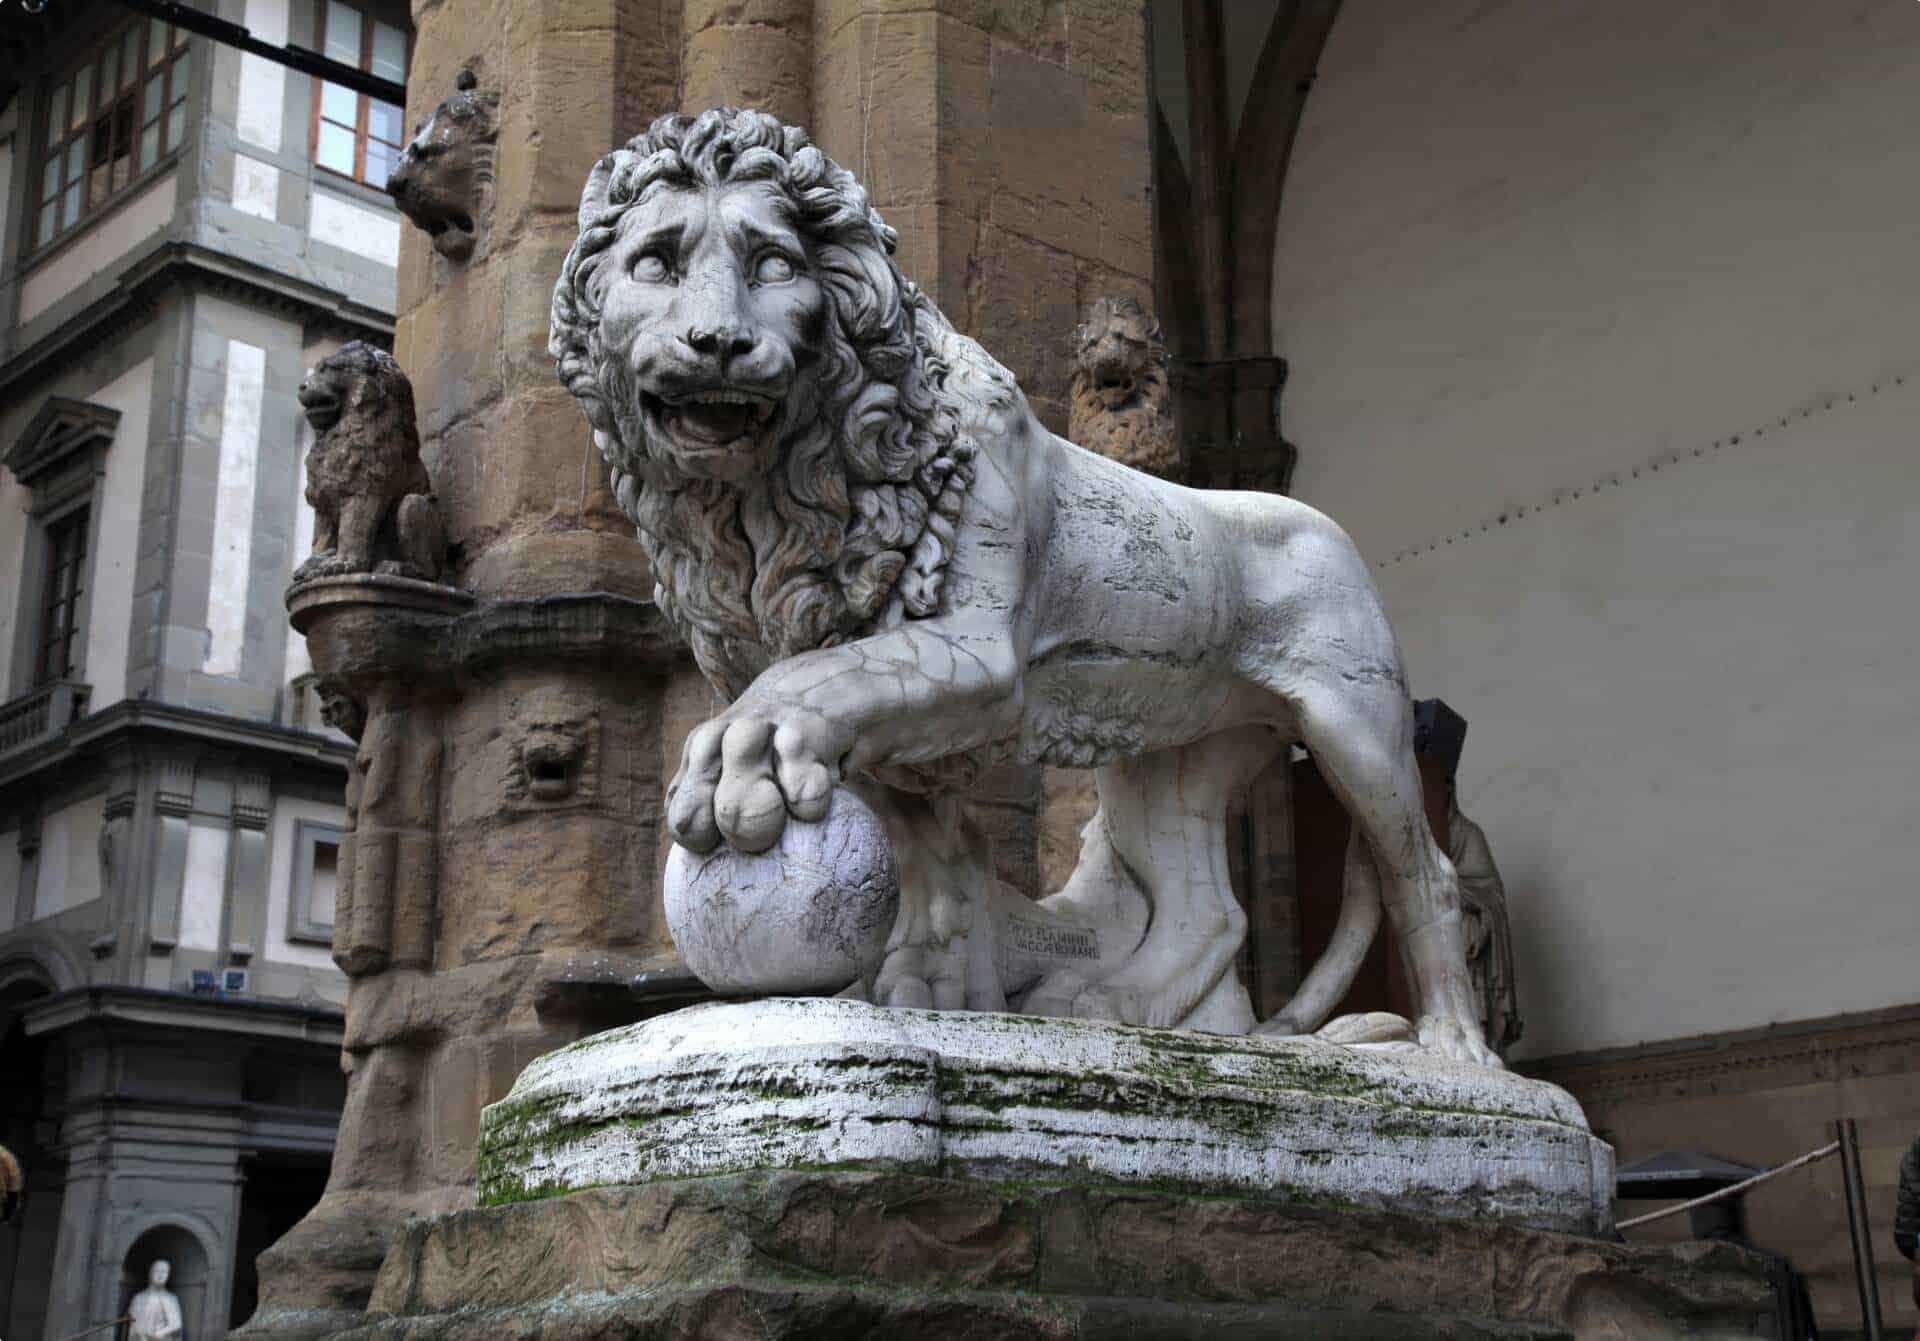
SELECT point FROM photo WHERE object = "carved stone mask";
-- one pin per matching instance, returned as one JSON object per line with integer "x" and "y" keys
{"x": 1117, "y": 347}
{"x": 553, "y": 736}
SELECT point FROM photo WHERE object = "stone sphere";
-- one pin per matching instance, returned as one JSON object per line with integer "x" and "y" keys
{"x": 809, "y": 916}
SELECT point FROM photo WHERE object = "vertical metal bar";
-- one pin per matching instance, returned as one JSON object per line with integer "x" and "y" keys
{"x": 1858, "y": 1228}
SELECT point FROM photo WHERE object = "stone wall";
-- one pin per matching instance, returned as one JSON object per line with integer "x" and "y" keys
{"x": 1600, "y": 330}
{"x": 1601, "y": 346}
{"x": 1007, "y": 142}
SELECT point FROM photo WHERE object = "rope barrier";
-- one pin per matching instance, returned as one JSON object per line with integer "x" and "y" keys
{"x": 1831, "y": 1148}
{"x": 97, "y": 1327}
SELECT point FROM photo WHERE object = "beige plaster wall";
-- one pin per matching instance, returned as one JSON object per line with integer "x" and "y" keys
{"x": 100, "y": 246}
{"x": 1529, "y": 254}
{"x": 69, "y": 857}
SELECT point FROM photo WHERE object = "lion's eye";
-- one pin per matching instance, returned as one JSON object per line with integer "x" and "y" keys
{"x": 773, "y": 268}
{"x": 650, "y": 268}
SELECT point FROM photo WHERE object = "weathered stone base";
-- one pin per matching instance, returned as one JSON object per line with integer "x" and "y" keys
{"x": 842, "y": 1255}
{"x": 812, "y": 1083}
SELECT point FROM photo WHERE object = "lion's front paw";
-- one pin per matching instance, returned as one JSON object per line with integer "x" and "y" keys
{"x": 744, "y": 772}
{"x": 327, "y": 563}
{"x": 1458, "y": 1040}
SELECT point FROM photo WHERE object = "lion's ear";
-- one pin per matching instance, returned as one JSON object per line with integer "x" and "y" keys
{"x": 594, "y": 198}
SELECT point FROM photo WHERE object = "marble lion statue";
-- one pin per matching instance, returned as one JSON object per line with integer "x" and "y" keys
{"x": 900, "y": 578}
{"x": 1121, "y": 405}
{"x": 372, "y": 501}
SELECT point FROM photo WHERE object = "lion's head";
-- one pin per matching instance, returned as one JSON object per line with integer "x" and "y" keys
{"x": 766, "y": 386}
{"x": 444, "y": 179}
{"x": 1121, "y": 404}
{"x": 359, "y": 392}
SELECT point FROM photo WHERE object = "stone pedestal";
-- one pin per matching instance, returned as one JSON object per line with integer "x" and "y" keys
{"x": 832, "y": 1084}
{"x": 842, "y": 1253}
{"x": 824, "y": 1168}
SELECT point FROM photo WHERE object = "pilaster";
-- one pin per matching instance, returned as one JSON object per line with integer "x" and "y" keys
{"x": 172, "y": 804}
{"x": 246, "y": 900}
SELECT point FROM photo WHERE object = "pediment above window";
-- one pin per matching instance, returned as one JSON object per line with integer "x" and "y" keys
{"x": 64, "y": 432}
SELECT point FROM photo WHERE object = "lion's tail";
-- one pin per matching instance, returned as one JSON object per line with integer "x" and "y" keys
{"x": 1333, "y": 973}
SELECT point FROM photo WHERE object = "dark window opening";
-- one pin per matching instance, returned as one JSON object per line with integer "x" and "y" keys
{"x": 66, "y": 551}
{"x": 108, "y": 123}
{"x": 277, "y": 1192}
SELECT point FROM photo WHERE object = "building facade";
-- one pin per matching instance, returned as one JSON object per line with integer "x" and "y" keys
{"x": 186, "y": 230}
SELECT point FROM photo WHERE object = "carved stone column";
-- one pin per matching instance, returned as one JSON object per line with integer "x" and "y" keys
{"x": 497, "y": 887}
{"x": 497, "y": 892}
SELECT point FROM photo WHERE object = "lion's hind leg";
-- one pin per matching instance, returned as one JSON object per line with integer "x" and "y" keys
{"x": 1165, "y": 816}
{"x": 1360, "y": 733}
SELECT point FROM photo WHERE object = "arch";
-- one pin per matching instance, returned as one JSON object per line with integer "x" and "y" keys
{"x": 36, "y": 955}
{"x": 1262, "y": 148}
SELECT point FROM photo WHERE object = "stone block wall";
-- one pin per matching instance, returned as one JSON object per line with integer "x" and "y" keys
{"x": 1008, "y": 144}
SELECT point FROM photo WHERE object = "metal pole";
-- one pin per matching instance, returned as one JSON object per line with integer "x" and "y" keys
{"x": 1858, "y": 1228}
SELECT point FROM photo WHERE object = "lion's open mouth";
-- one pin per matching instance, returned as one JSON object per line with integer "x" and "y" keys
{"x": 714, "y": 423}
{"x": 322, "y": 407}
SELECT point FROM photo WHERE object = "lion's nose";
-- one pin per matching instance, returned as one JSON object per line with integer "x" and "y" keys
{"x": 726, "y": 340}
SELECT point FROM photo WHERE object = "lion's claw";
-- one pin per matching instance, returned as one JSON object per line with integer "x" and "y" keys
{"x": 1451, "y": 1038}
{"x": 744, "y": 772}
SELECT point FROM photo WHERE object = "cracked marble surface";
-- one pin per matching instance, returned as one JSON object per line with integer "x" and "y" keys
{"x": 900, "y": 578}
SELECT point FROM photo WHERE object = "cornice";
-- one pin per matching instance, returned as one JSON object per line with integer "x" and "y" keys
{"x": 1830, "y": 1047}
{"x": 143, "y": 1006}
{"x": 139, "y": 288}
{"x": 134, "y": 719}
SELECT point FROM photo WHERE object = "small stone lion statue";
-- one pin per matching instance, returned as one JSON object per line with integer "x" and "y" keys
{"x": 1122, "y": 407}
{"x": 373, "y": 503}
{"x": 444, "y": 180}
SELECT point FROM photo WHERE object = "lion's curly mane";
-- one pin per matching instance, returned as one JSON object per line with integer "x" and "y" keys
{"x": 374, "y": 447}
{"x": 852, "y": 526}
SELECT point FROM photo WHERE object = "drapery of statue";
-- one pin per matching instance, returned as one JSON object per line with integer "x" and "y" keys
{"x": 154, "y": 1313}
{"x": 900, "y": 579}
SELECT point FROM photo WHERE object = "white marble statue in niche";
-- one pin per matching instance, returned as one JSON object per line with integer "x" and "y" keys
{"x": 900, "y": 578}
{"x": 155, "y": 1312}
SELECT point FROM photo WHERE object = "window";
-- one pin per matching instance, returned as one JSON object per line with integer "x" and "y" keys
{"x": 110, "y": 122}
{"x": 353, "y": 134}
{"x": 61, "y": 457}
{"x": 66, "y": 565}
{"x": 316, "y": 881}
